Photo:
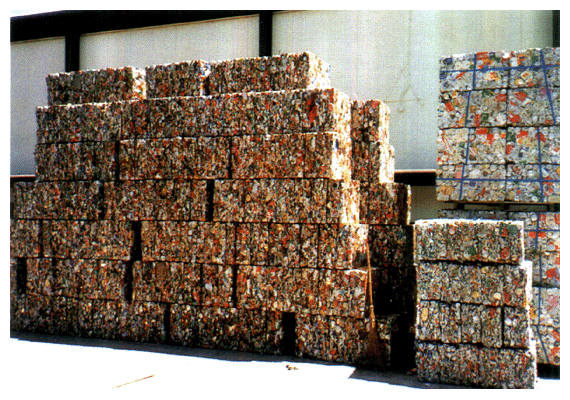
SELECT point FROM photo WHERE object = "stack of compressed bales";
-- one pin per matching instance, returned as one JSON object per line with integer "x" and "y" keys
{"x": 499, "y": 120}
{"x": 473, "y": 323}
{"x": 499, "y": 143}
{"x": 542, "y": 248}
{"x": 214, "y": 207}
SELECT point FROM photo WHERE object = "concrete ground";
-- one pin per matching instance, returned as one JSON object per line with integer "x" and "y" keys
{"x": 44, "y": 366}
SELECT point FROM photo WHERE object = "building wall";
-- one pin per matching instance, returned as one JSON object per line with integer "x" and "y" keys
{"x": 388, "y": 55}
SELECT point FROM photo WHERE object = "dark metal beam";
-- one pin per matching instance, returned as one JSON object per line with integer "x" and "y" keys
{"x": 72, "y": 52}
{"x": 556, "y": 28}
{"x": 415, "y": 178}
{"x": 60, "y": 23}
{"x": 265, "y": 33}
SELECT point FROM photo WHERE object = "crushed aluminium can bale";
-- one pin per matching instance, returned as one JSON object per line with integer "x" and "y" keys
{"x": 457, "y": 71}
{"x": 96, "y": 86}
{"x": 79, "y": 161}
{"x": 535, "y": 67}
{"x": 533, "y": 183}
{"x": 218, "y": 328}
{"x": 104, "y": 240}
{"x": 176, "y": 158}
{"x": 373, "y": 161}
{"x": 471, "y": 182}
{"x": 156, "y": 200}
{"x": 252, "y": 244}
{"x": 534, "y": 106}
{"x": 92, "y": 122}
{"x": 188, "y": 241}
{"x": 467, "y": 241}
{"x": 548, "y": 344}
{"x": 385, "y": 203}
{"x": 278, "y": 72}
{"x": 342, "y": 246}
{"x": 390, "y": 245}
{"x": 217, "y": 286}
{"x": 370, "y": 120}
{"x": 286, "y": 200}
{"x": 471, "y": 146}
{"x": 541, "y": 239}
{"x": 487, "y": 107}
{"x": 77, "y": 200}
{"x": 26, "y": 238}
{"x": 533, "y": 145}
{"x": 185, "y": 78}
{"x": 184, "y": 328}
{"x": 545, "y": 306}
{"x": 472, "y": 365}
{"x": 79, "y": 317}
{"x": 303, "y": 155}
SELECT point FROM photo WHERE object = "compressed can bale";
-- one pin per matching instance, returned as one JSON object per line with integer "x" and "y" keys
{"x": 92, "y": 122}
{"x": 77, "y": 161}
{"x": 390, "y": 245}
{"x": 471, "y": 182}
{"x": 535, "y": 68}
{"x": 96, "y": 86}
{"x": 545, "y": 306}
{"x": 304, "y": 155}
{"x": 218, "y": 328}
{"x": 370, "y": 121}
{"x": 373, "y": 161}
{"x": 518, "y": 91}
{"x": 186, "y": 78}
{"x": 26, "y": 238}
{"x": 286, "y": 201}
{"x": 258, "y": 287}
{"x": 104, "y": 240}
{"x": 259, "y": 74}
{"x": 533, "y": 183}
{"x": 188, "y": 241}
{"x": 176, "y": 158}
{"x": 77, "y": 200}
{"x": 184, "y": 327}
{"x": 533, "y": 145}
{"x": 437, "y": 240}
{"x": 541, "y": 239}
{"x": 342, "y": 246}
{"x": 156, "y": 200}
{"x": 79, "y": 317}
{"x": 471, "y": 146}
{"x": 548, "y": 344}
{"x": 534, "y": 106}
{"x": 385, "y": 203}
{"x": 217, "y": 286}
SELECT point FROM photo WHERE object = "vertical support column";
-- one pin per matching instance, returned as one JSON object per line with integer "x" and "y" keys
{"x": 265, "y": 33}
{"x": 72, "y": 51}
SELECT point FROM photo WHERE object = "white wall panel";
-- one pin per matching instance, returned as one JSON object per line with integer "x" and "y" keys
{"x": 207, "y": 40}
{"x": 393, "y": 56}
{"x": 31, "y": 62}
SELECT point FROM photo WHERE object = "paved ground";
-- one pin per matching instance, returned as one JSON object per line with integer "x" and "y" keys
{"x": 44, "y": 366}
